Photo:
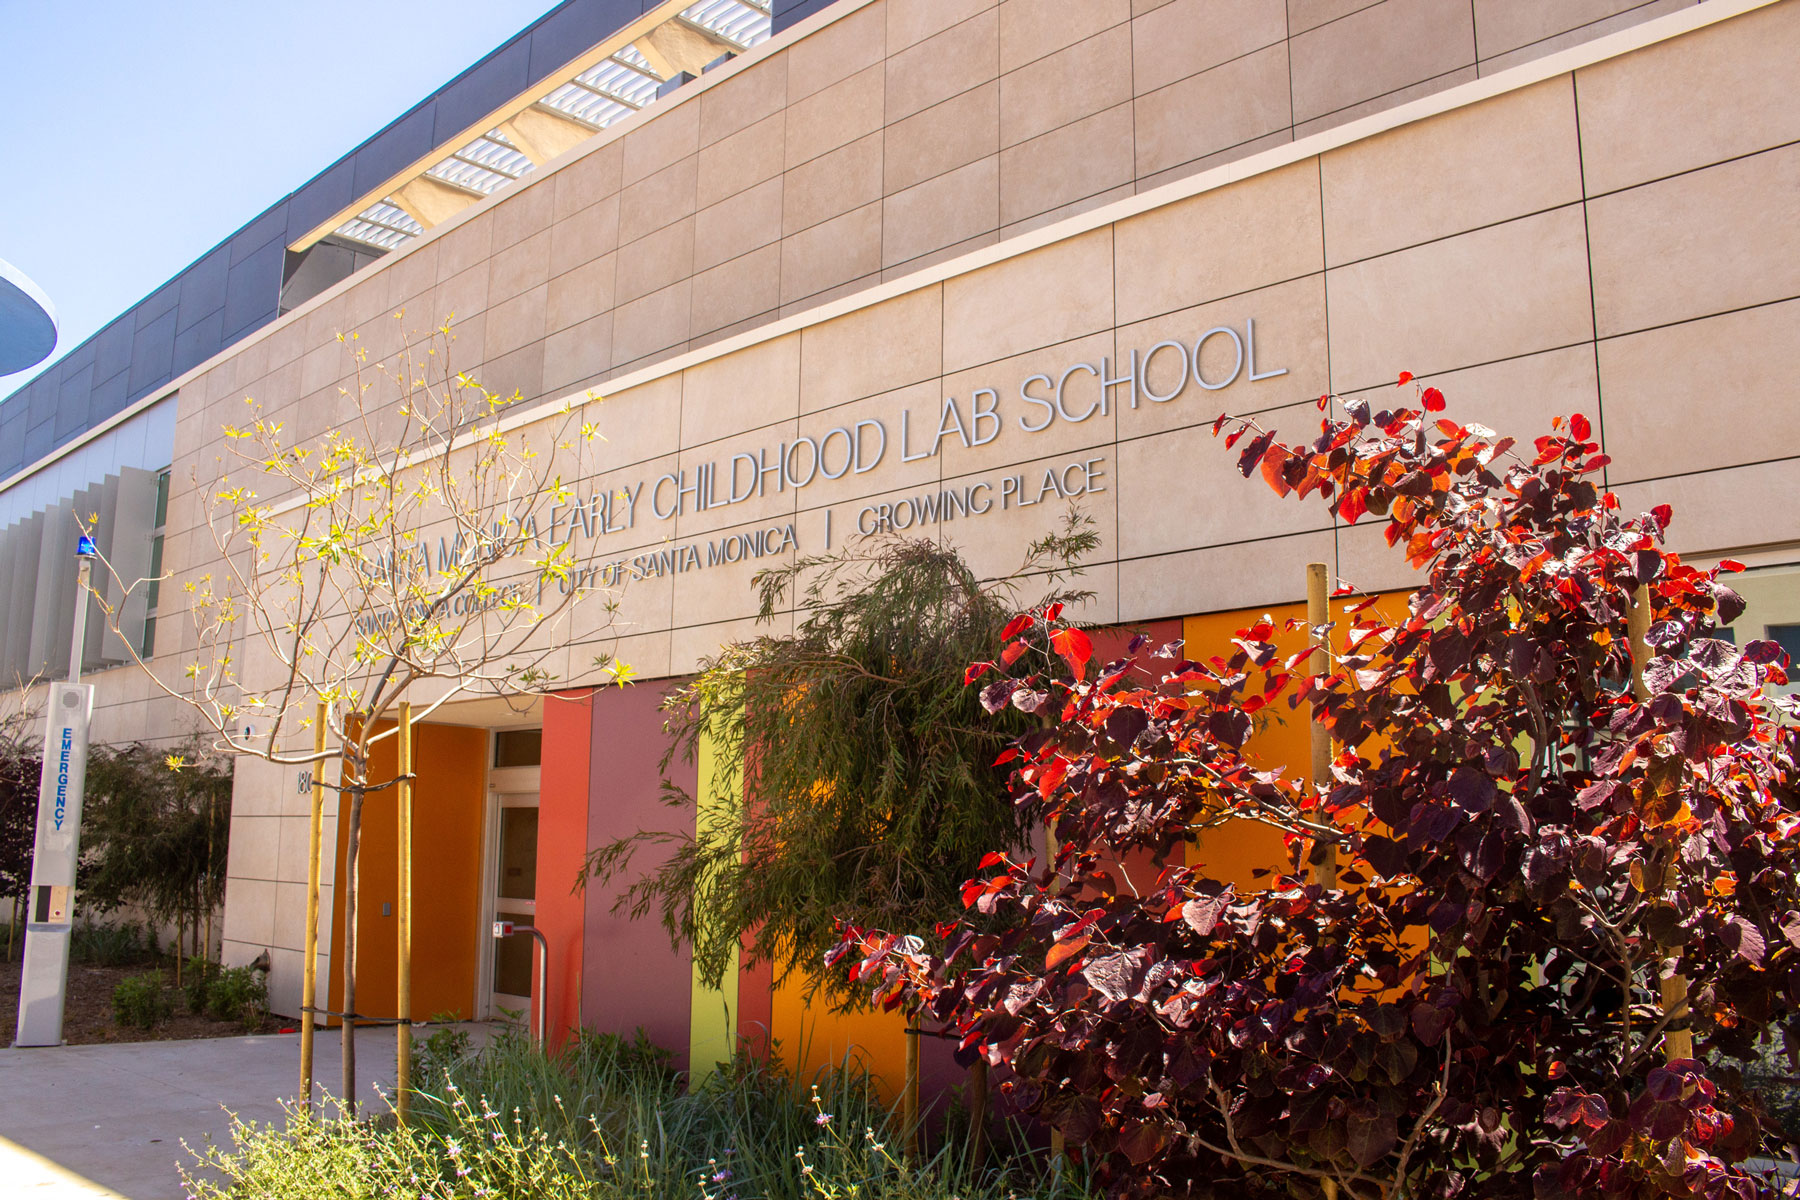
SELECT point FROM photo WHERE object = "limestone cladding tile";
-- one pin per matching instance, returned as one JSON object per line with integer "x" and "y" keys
{"x": 519, "y": 267}
{"x": 849, "y": 453}
{"x": 863, "y": 514}
{"x": 849, "y": 287}
{"x": 1066, "y": 86}
{"x": 749, "y": 96}
{"x": 1515, "y": 154}
{"x": 1190, "y": 36}
{"x": 651, "y": 323}
{"x": 575, "y": 296}
{"x": 295, "y": 831}
{"x": 872, "y": 350}
{"x": 1031, "y": 29}
{"x": 1240, "y": 575}
{"x": 1586, "y": 33}
{"x": 648, "y": 653}
{"x": 589, "y": 179}
{"x": 658, "y": 200}
{"x": 745, "y": 222}
{"x": 952, "y": 134}
{"x": 516, "y": 322}
{"x": 467, "y": 246}
{"x": 844, "y": 248}
{"x": 843, "y": 112}
{"x": 1140, "y": 7}
{"x": 323, "y": 366}
{"x": 249, "y": 911}
{"x": 520, "y": 210}
{"x": 411, "y": 274}
{"x": 1365, "y": 560}
{"x": 910, "y": 22}
{"x": 1034, "y": 504}
{"x": 1390, "y": 100}
{"x": 585, "y": 234}
{"x": 1054, "y": 294}
{"x": 1081, "y": 159}
{"x": 747, "y": 286}
{"x": 837, "y": 51}
{"x": 1288, "y": 323}
{"x": 742, "y": 160}
{"x": 1237, "y": 238}
{"x": 1052, "y": 215}
{"x": 1021, "y": 430}
{"x": 636, "y": 424}
{"x": 1171, "y": 497}
{"x": 1713, "y": 94}
{"x": 255, "y": 845}
{"x": 831, "y": 184}
{"x": 1499, "y": 292}
{"x": 671, "y": 135}
{"x": 290, "y": 913}
{"x": 945, "y": 210}
{"x": 725, "y": 590}
{"x": 577, "y": 353}
{"x": 1744, "y": 363}
{"x": 655, "y": 261}
{"x": 947, "y": 65}
{"x": 1503, "y": 25}
{"x": 1711, "y": 513}
{"x": 757, "y": 386}
{"x": 1378, "y": 50}
{"x": 1518, "y": 397}
{"x": 1711, "y": 240}
{"x": 690, "y": 644}
{"x": 1237, "y": 102}
{"x": 468, "y": 340}
{"x": 287, "y": 343}
{"x": 520, "y": 371}
{"x": 1309, "y": 14}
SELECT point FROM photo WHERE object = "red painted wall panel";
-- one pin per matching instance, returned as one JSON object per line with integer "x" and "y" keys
{"x": 562, "y": 847}
{"x": 631, "y": 977}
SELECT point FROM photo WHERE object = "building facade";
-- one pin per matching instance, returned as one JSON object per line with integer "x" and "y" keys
{"x": 949, "y": 267}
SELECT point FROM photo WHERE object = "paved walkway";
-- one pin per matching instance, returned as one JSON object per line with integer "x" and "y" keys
{"x": 86, "y": 1122}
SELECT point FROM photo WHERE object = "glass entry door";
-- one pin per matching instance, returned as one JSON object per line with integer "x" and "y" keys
{"x": 514, "y": 898}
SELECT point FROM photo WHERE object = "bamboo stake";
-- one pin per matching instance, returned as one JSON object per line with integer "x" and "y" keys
{"x": 1678, "y": 1041}
{"x": 1318, "y": 612}
{"x": 403, "y": 1031}
{"x": 309, "y": 967}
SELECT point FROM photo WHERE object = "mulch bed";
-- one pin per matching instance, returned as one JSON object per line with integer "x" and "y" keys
{"x": 88, "y": 1015}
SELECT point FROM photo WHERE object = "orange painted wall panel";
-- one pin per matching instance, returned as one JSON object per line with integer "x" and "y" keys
{"x": 448, "y": 821}
{"x": 562, "y": 846}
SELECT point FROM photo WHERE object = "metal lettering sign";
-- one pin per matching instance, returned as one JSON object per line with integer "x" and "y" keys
{"x": 51, "y": 911}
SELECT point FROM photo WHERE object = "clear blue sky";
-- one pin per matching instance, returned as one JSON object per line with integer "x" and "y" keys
{"x": 138, "y": 135}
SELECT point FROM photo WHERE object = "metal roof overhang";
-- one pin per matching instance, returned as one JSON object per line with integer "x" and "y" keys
{"x": 608, "y": 82}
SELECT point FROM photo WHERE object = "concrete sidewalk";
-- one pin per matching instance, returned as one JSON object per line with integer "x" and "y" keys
{"x": 85, "y": 1122}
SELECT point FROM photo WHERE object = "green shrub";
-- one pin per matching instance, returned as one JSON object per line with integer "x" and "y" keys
{"x": 604, "y": 1119}
{"x": 109, "y": 945}
{"x": 198, "y": 975}
{"x": 238, "y": 994}
{"x": 441, "y": 1050}
{"x": 141, "y": 1001}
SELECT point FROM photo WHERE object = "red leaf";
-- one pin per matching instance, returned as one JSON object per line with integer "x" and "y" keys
{"x": 1063, "y": 951}
{"x": 1406, "y": 377}
{"x": 991, "y": 859}
{"x": 1016, "y": 626}
{"x": 1578, "y": 425}
{"x": 975, "y": 671}
{"x": 1011, "y": 654}
{"x": 1730, "y": 565}
{"x": 1075, "y": 647}
{"x": 1007, "y": 755}
{"x": 1275, "y": 460}
{"x": 1352, "y": 504}
{"x": 1663, "y": 514}
{"x": 1053, "y": 612}
{"x": 1434, "y": 400}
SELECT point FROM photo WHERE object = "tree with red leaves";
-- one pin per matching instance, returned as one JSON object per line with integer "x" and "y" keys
{"x": 1556, "y": 867}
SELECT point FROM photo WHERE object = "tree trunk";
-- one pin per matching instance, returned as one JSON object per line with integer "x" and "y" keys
{"x": 353, "y": 840}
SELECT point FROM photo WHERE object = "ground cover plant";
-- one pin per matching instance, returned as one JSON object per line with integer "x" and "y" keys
{"x": 1539, "y": 872}
{"x": 606, "y": 1118}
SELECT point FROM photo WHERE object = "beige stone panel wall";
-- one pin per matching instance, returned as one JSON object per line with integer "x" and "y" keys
{"x": 1378, "y": 50}
{"x": 1735, "y": 508}
{"x": 1700, "y": 243}
{"x": 1027, "y": 431}
{"x": 918, "y": 405}
{"x": 1237, "y": 575}
{"x": 1038, "y": 299}
{"x": 874, "y": 349}
{"x": 1703, "y": 394}
{"x": 690, "y": 645}
{"x": 1510, "y": 289}
{"x": 1717, "y": 93}
{"x": 765, "y": 499}
{"x": 1515, "y": 154}
{"x": 752, "y": 388}
{"x": 1232, "y": 106}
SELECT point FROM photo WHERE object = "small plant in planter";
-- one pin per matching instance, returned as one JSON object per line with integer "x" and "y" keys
{"x": 141, "y": 1001}
{"x": 1538, "y": 867}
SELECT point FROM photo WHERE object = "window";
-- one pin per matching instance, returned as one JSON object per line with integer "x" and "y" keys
{"x": 152, "y": 593}
{"x": 518, "y": 747}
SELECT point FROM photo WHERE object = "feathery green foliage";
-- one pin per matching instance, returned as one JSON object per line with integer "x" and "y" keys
{"x": 871, "y": 785}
